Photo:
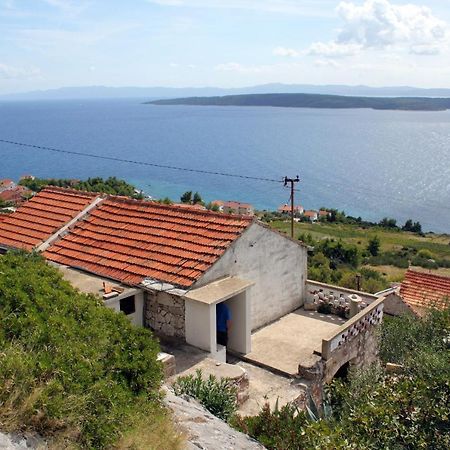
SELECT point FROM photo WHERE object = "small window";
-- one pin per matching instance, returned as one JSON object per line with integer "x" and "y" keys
{"x": 127, "y": 305}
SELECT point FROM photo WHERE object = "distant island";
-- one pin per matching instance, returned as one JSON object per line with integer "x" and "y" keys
{"x": 160, "y": 92}
{"x": 289, "y": 100}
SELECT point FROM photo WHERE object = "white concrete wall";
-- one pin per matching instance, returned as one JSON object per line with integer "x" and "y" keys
{"x": 239, "y": 336}
{"x": 137, "y": 318}
{"x": 328, "y": 289}
{"x": 201, "y": 325}
{"x": 276, "y": 265}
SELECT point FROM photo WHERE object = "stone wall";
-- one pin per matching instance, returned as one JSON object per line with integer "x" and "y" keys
{"x": 164, "y": 314}
{"x": 395, "y": 306}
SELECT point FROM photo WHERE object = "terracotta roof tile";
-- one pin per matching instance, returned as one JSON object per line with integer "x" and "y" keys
{"x": 130, "y": 240}
{"x": 42, "y": 216}
{"x": 423, "y": 290}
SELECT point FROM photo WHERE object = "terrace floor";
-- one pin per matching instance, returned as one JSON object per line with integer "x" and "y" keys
{"x": 292, "y": 340}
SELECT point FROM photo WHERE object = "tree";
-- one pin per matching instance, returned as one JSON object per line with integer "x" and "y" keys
{"x": 408, "y": 225}
{"x": 374, "y": 246}
{"x": 416, "y": 228}
{"x": 387, "y": 222}
{"x": 186, "y": 197}
{"x": 197, "y": 199}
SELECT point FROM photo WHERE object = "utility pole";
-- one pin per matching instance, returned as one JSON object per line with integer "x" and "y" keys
{"x": 292, "y": 181}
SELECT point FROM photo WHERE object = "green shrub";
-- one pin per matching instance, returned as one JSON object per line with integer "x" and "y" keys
{"x": 218, "y": 396}
{"x": 69, "y": 366}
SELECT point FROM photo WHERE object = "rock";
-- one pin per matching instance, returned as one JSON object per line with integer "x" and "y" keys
{"x": 12, "y": 441}
{"x": 202, "y": 429}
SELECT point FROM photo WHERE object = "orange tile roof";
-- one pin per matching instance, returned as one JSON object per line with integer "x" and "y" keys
{"x": 3, "y": 217}
{"x": 423, "y": 290}
{"x": 42, "y": 216}
{"x": 131, "y": 240}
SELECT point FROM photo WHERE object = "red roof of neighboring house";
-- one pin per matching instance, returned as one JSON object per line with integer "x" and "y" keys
{"x": 3, "y": 217}
{"x": 42, "y": 216}
{"x": 310, "y": 213}
{"x": 6, "y": 182}
{"x": 423, "y": 290}
{"x": 287, "y": 208}
{"x": 323, "y": 212}
{"x": 14, "y": 194}
{"x": 235, "y": 205}
{"x": 131, "y": 240}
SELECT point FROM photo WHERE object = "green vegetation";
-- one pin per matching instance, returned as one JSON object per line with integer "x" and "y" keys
{"x": 111, "y": 185}
{"x": 217, "y": 396}
{"x": 344, "y": 247}
{"x": 190, "y": 199}
{"x": 74, "y": 371}
{"x": 314, "y": 101}
{"x": 376, "y": 409}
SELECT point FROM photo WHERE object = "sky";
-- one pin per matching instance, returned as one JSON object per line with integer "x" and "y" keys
{"x": 48, "y": 44}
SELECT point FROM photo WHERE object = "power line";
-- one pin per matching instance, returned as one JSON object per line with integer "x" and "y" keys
{"x": 335, "y": 182}
{"x": 142, "y": 163}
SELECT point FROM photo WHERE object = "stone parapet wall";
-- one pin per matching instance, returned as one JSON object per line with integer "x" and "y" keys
{"x": 165, "y": 314}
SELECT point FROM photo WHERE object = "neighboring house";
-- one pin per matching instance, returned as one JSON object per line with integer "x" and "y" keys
{"x": 311, "y": 215}
{"x": 323, "y": 214}
{"x": 16, "y": 196}
{"x": 7, "y": 184}
{"x": 418, "y": 292}
{"x": 286, "y": 209}
{"x": 233, "y": 207}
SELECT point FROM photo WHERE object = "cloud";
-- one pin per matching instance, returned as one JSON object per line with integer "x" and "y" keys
{"x": 381, "y": 24}
{"x": 333, "y": 49}
{"x": 283, "y": 51}
{"x": 8, "y": 72}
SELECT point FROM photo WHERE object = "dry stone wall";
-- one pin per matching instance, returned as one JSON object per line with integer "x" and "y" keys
{"x": 164, "y": 314}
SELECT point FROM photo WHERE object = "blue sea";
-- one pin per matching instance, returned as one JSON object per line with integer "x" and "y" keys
{"x": 368, "y": 163}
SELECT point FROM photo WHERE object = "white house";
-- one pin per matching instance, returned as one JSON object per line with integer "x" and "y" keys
{"x": 173, "y": 264}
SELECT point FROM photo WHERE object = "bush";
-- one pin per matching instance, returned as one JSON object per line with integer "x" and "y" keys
{"x": 217, "y": 396}
{"x": 111, "y": 185}
{"x": 373, "y": 246}
{"x": 69, "y": 367}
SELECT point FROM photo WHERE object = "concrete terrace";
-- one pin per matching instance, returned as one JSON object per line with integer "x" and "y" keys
{"x": 292, "y": 340}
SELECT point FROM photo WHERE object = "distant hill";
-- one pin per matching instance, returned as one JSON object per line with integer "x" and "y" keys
{"x": 156, "y": 92}
{"x": 315, "y": 101}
